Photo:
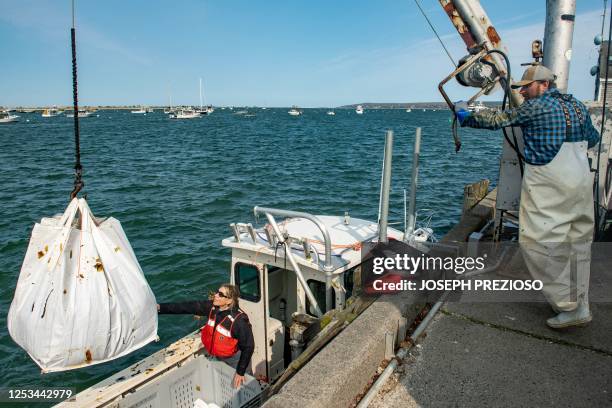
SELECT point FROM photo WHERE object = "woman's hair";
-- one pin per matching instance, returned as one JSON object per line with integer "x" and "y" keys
{"x": 233, "y": 293}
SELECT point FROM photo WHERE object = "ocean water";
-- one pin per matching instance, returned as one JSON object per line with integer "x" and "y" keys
{"x": 177, "y": 185}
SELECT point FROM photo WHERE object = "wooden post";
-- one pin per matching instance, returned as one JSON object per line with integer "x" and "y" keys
{"x": 473, "y": 194}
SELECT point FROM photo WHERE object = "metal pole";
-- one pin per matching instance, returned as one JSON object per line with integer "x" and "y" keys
{"x": 386, "y": 186}
{"x": 558, "y": 33}
{"x": 296, "y": 268}
{"x": 413, "y": 186}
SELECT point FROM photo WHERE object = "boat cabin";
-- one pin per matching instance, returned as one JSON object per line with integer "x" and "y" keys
{"x": 292, "y": 271}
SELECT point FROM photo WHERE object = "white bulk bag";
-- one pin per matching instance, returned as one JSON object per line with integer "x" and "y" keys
{"x": 81, "y": 297}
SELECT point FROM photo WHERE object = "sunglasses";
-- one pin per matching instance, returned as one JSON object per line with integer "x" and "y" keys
{"x": 221, "y": 294}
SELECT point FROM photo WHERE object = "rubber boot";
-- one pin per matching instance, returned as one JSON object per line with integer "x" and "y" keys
{"x": 580, "y": 316}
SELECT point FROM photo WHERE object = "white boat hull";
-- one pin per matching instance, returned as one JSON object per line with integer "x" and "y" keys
{"x": 81, "y": 115}
{"x": 10, "y": 119}
{"x": 185, "y": 116}
{"x": 51, "y": 114}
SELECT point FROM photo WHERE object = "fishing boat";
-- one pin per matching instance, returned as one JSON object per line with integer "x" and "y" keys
{"x": 359, "y": 110}
{"x": 6, "y": 117}
{"x": 477, "y": 107}
{"x": 49, "y": 113}
{"x": 295, "y": 111}
{"x": 185, "y": 113}
{"x": 82, "y": 114}
{"x": 140, "y": 110}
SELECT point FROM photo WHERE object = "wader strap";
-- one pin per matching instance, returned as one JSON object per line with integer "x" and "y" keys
{"x": 566, "y": 114}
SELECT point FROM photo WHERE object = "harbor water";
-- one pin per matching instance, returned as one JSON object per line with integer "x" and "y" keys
{"x": 177, "y": 185}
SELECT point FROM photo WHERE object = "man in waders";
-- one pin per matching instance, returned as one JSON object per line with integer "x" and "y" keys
{"x": 556, "y": 214}
{"x": 227, "y": 334}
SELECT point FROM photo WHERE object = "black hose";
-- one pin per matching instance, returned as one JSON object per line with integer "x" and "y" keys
{"x": 508, "y": 100}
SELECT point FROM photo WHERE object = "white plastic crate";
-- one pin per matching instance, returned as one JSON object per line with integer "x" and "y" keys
{"x": 200, "y": 378}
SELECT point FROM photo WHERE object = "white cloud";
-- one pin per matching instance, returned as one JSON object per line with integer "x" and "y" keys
{"x": 411, "y": 73}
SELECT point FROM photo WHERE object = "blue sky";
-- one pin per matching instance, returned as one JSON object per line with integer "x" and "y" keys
{"x": 256, "y": 52}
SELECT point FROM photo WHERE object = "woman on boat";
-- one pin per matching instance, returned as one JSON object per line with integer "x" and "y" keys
{"x": 227, "y": 334}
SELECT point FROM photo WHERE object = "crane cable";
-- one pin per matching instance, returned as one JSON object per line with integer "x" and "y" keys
{"x": 78, "y": 169}
{"x": 435, "y": 32}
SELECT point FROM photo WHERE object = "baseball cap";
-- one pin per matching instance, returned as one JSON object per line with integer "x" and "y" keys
{"x": 535, "y": 73}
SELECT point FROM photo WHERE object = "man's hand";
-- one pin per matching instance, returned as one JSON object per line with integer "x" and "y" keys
{"x": 461, "y": 111}
{"x": 238, "y": 380}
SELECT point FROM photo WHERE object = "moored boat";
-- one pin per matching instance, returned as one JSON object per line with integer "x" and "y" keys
{"x": 6, "y": 117}
{"x": 51, "y": 112}
{"x": 185, "y": 113}
{"x": 295, "y": 111}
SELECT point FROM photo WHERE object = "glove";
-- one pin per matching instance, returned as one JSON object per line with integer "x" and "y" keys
{"x": 461, "y": 111}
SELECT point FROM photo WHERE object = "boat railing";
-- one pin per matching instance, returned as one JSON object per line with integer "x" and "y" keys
{"x": 328, "y": 267}
{"x": 271, "y": 212}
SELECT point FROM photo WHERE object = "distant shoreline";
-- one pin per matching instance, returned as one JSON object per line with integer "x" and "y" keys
{"x": 366, "y": 105}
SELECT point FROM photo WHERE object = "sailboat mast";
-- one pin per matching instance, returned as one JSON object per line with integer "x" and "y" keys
{"x": 170, "y": 96}
{"x": 200, "y": 94}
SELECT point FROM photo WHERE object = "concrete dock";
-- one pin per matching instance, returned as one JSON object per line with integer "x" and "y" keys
{"x": 471, "y": 355}
{"x": 503, "y": 355}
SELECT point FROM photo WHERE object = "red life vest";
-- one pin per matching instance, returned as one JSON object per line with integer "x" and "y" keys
{"x": 219, "y": 341}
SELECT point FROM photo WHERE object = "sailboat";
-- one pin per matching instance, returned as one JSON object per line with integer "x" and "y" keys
{"x": 185, "y": 113}
{"x": 204, "y": 110}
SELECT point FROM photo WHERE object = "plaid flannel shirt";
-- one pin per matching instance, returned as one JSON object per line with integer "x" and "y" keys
{"x": 542, "y": 121}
